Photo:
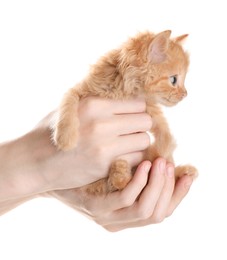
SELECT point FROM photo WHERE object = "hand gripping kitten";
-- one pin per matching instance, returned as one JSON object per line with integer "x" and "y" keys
{"x": 149, "y": 65}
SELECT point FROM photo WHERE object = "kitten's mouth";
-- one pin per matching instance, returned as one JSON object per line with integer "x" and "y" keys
{"x": 169, "y": 101}
{"x": 173, "y": 99}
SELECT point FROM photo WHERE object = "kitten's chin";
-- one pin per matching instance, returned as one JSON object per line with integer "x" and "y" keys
{"x": 168, "y": 103}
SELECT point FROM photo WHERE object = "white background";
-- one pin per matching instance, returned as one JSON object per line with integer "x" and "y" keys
{"x": 45, "y": 48}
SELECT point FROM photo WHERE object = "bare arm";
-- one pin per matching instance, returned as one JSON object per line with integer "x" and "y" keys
{"x": 31, "y": 164}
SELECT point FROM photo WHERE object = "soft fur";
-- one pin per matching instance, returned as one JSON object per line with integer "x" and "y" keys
{"x": 149, "y": 65}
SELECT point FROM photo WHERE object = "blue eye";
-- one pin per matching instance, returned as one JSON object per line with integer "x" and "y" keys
{"x": 173, "y": 80}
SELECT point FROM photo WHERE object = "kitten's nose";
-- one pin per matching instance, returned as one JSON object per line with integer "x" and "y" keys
{"x": 184, "y": 94}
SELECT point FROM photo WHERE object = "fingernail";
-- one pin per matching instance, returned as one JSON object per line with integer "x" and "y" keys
{"x": 170, "y": 171}
{"x": 162, "y": 165}
{"x": 147, "y": 166}
{"x": 188, "y": 183}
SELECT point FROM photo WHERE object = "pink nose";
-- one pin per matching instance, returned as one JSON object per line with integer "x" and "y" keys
{"x": 184, "y": 94}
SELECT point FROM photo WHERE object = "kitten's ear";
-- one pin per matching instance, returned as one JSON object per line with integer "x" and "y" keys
{"x": 158, "y": 47}
{"x": 180, "y": 39}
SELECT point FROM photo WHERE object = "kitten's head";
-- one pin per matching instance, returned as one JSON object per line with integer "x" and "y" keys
{"x": 160, "y": 65}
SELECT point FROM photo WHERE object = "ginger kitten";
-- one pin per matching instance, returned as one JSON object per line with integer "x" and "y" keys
{"x": 149, "y": 65}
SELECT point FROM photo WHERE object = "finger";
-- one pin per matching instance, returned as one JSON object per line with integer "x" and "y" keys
{"x": 114, "y": 227}
{"x": 126, "y": 197}
{"x": 101, "y": 205}
{"x": 130, "y": 143}
{"x": 181, "y": 189}
{"x": 162, "y": 206}
{"x": 159, "y": 211}
{"x": 95, "y": 107}
{"x": 150, "y": 195}
{"x": 131, "y": 123}
{"x": 133, "y": 159}
{"x": 141, "y": 210}
{"x": 135, "y": 105}
{"x": 146, "y": 216}
{"x": 119, "y": 125}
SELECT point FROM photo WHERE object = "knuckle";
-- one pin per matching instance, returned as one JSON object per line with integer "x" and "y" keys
{"x": 88, "y": 106}
{"x": 169, "y": 213}
{"x": 97, "y": 128}
{"x": 145, "y": 140}
{"x": 148, "y": 121}
{"x": 90, "y": 207}
{"x": 143, "y": 213}
{"x": 111, "y": 229}
{"x": 100, "y": 152}
{"x": 125, "y": 201}
{"x": 99, "y": 222}
{"x": 141, "y": 104}
{"x": 157, "y": 219}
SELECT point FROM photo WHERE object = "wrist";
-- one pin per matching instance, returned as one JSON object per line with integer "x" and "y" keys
{"x": 19, "y": 167}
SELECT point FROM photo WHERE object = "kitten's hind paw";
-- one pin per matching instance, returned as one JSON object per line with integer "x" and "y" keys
{"x": 119, "y": 176}
{"x": 186, "y": 170}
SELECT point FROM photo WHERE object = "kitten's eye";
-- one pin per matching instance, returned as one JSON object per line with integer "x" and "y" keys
{"x": 173, "y": 80}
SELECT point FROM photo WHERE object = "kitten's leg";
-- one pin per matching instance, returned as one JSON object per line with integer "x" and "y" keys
{"x": 66, "y": 129}
{"x": 99, "y": 187}
{"x": 119, "y": 175}
{"x": 186, "y": 170}
{"x": 164, "y": 143}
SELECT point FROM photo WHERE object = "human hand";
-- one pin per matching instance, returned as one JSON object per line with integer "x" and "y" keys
{"x": 108, "y": 130}
{"x": 147, "y": 199}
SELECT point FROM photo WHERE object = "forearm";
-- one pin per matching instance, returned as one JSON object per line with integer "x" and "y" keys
{"x": 8, "y": 205}
{"x": 19, "y": 174}
{"x": 32, "y": 164}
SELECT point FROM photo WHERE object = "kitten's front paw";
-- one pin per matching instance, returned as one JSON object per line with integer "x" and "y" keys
{"x": 186, "y": 170}
{"x": 66, "y": 139}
